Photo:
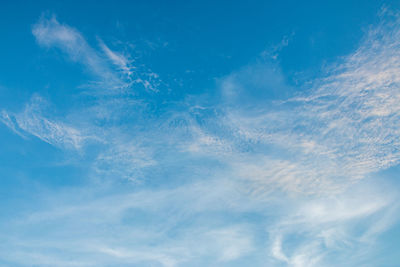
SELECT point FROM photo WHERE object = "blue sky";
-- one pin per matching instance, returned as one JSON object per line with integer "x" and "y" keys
{"x": 199, "y": 133}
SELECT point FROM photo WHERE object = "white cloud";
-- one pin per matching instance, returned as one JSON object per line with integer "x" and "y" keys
{"x": 119, "y": 60}
{"x": 341, "y": 130}
{"x": 313, "y": 229}
{"x": 148, "y": 79}
{"x": 163, "y": 227}
{"x": 10, "y": 123}
{"x": 32, "y": 121}
{"x": 124, "y": 161}
{"x": 50, "y": 33}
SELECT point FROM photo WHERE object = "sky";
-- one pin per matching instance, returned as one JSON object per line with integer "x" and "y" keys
{"x": 199, "y": 133}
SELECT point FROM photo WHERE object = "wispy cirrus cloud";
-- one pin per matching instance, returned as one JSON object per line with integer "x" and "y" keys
{"x": 148, "y": 79}
{"x": 32, "y": 121}
{"x": 245, "y": 177}
{"x": 164, "y": 227}
{"x": 50, "y": 33}
{"x": 342, "y": 129}
{"x": 345, "y": 225}
{"x": 208, "y": 222}
{"x": 116, "y": 80}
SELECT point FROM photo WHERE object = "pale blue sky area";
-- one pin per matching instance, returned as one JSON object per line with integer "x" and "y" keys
{"x": 199, "y": 133}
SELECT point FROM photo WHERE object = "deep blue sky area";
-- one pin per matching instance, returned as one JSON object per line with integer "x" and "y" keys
{"x": 199, "y": 133}
{"x": 204, "y": 37}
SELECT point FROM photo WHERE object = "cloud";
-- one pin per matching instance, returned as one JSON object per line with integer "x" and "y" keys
{"x": 32, "y": 121}
{"x": 50, "y": 33}
{"x": 147, "y": 78}
{"x": 166, "y": 227}
{"x": 7, "y": 120}
{"x": 127, "y": 161}
{"x": 209, "y": 222}
{"x": 342, "y": 129}
{"x": 315, "y": 229}
{"x": 276, "y": 181}
{"x": 117, "y": 59}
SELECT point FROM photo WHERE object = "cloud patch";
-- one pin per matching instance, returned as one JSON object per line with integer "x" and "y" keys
{"x": 31, "y": 121}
